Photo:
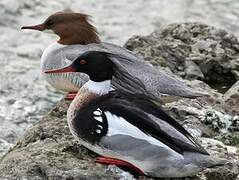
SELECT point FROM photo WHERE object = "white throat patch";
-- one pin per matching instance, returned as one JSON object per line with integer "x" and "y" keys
{"x": 99, "y": 88}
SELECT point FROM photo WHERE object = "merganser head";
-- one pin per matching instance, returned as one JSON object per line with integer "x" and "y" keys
{"x": 94, "y": 63}
{"x": 72, "y": 28}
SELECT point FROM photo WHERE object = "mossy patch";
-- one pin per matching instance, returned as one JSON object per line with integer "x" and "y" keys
{"x": 221, "y": 123}
{"x": 231, "y": 139}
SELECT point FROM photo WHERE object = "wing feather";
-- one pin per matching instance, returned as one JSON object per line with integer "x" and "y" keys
{"x": 139, "y": 112}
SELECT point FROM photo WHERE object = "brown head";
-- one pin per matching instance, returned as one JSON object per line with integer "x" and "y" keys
{"x": 72, "y": 28}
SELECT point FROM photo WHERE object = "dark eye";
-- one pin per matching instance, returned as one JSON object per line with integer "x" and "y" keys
{"x": 82, "y": 61}
{"x": 49, "y": 22}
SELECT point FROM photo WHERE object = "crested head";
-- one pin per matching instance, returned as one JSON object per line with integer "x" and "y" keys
{"x": 72, "y": 28}
{"x": 95, "y": 64}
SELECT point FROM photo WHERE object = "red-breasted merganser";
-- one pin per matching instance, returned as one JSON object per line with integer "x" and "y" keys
{"x": 77, "y": 36}
{"x": 127, "y": 129}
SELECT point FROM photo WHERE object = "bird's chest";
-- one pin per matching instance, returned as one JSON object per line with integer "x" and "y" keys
{"x": 87, "y": 123}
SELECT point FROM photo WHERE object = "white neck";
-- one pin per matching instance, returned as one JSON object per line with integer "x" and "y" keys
{"x": 99, "y": 88}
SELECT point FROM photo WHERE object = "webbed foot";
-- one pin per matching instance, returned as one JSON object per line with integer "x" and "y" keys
{"x": 121, "y": 163}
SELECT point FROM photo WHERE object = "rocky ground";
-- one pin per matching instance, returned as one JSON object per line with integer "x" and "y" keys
{"x": 204, "y": 56}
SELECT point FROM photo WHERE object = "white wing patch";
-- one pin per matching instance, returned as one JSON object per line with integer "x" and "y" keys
{"x": 97, "y": 115}
{"x": 98, "y": 118}
{"x": 97, "y": 112}
{"x": 118, "y": 125}
{"x": 99, "y": 126}
{"x": 98, "y": 131}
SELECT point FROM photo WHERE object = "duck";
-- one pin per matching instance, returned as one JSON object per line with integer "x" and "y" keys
{"x": 76, "y": 36}
{"x": 128, "y": 129}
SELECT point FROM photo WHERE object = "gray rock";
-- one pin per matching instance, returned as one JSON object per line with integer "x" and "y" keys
{"x": 193, "y": 71}
{"x": 192, "y": 51}
{"x": 231, "y": 99}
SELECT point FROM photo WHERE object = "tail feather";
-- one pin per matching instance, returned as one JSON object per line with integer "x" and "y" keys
{"x": 191, "y": 93}
{"x": 200, "y": 94}
{"x": 214, "y": 162}
{"x": 205, "y": 161}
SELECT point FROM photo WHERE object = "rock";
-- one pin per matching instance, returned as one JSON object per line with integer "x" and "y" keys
{"x": 231, "y": 99}
{"x": 193, "y": 71}
{"x": 218, "y": 121}
{"x": 229, "y": 138}
{"x": 4, "y": 146}
{"x": 226, "y": 172}
{"x": 192, "y": 51}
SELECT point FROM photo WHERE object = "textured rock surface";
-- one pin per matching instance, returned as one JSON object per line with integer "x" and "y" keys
{"x": 231, "y": 99}
{"x": 47, "y": 150}
{"x": 192, "y": 51}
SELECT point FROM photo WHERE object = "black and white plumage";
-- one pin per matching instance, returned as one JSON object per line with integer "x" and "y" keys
{"x": 115, "y": 126}
{"x": 136, "y": 110}
{"x": 130, "y": 127}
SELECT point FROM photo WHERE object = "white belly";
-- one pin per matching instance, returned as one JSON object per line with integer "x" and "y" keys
{"x": 57, "y": 56}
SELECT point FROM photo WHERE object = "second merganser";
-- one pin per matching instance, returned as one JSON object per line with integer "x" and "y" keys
{"x": 77, "y": 36}
{"x": 129, "y": 130}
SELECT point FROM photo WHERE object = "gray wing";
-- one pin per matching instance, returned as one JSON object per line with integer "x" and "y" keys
{"x": 127, "y": 142}
{"x": 127, "y": 146}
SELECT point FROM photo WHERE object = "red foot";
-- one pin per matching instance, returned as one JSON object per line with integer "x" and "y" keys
{"x": 120, "y": 163}
{"x": 70, "y": 95}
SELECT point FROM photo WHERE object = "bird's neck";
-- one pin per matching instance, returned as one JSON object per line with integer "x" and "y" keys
{"x": 98, "y": 88}
{"x": 79, "y": 33}
{"x": 88, "y": 92}
{"x": 77, "y": 39}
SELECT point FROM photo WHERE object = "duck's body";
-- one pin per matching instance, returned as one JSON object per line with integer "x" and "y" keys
{"x": 77, "y": 36}
{"x": 129, "y": 127}
{"x": 135, "y": 130}
{"x": 156, "y": 82}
